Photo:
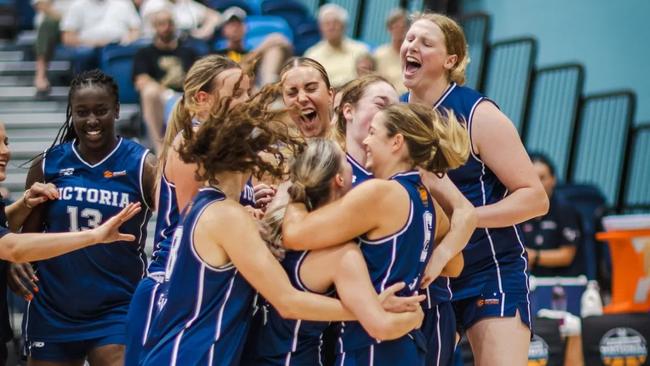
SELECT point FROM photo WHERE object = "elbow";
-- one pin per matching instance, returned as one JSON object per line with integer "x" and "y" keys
{"x": 380, "y": 329}
{"x": 285, "y": 308}
{"x": 543, "y": 203}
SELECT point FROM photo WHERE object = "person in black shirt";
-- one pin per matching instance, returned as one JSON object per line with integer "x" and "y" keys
{"x": 159, "y": 71}
{"x": 552, "y": 239}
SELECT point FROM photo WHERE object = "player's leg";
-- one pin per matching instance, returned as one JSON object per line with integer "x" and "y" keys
{"x": 500, "y": 341}
{"x": 107, "y": 354}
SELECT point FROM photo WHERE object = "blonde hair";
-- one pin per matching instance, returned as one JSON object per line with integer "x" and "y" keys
{"x": 200, "y": 77}
{"x": 435, "y": 142}
{"x": 454, "y": 41}
{"x": 310, "y": 173}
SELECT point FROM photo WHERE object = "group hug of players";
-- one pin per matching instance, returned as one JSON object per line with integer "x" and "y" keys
{"x": 376, "y": 231}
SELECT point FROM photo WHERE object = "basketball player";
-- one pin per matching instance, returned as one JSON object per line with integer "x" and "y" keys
{"x": 209, "y": 81}
{"x": 491, "y": 295}
{"x": 80, "y": 308}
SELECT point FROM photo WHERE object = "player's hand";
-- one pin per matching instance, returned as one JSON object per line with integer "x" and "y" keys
{"x": 399, "y": 304}
{"x": 431, "y": 272}
{"x": 39, "y": 193}
{"x": 109, "y": 231}
{"x": 417, "y": 317}
{"x": 255, "y": 212}
{"x": 21, "y": 279}
{"x": 263, "y": 195}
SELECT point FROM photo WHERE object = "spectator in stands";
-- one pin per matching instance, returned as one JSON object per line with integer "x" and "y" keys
{"x": 389, "y": 64}
{"x": 551, "y": 239}
{"x": 89, "y": 25}
{"x": 365, "y": 64}
{"x": 191, "y": 17}
{"x": 48, "y": 16}
{"x": 336, "y": 52}
{"x": 272, "y": 52}
{"x": 159, "y": 71}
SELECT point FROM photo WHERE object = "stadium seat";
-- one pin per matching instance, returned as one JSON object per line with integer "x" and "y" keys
{"x": 602, "y": 134}
{"x": 591, "y": 205}
{"x": 637, "y": 193}
{"x": 292, "y": 11}
{"x": 509, "y": 72}
{"x": 259, "y": 27}
{"x": 477, "y": 32}
{"x": 117, "y": 61}
{"x": 25, "y": 13}
{"x": 552, "y": 115}
{"x": 306, "y": 35}
{"x": 251, "y": 7}
{"x": 373, "y": 27}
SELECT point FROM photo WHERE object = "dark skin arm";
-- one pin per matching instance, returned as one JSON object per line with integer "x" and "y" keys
{"x": 149, "y": 180}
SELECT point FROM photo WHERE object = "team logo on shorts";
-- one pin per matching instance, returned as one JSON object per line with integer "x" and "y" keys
{"x": 37, "y": 344}
{"x": 624, "y": 347}
{"x": 110, "y": 174}
{"x": 538, "y": 352}
{"x": 481, "y": 302}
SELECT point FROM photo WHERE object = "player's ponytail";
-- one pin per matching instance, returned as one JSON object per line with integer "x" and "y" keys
{"x": 435, "y": 142}
{"x": 312, "y": 172}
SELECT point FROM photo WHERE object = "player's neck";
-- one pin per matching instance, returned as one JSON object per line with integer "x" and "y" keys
{"x": 230, "y": 183}
{"x": 389, "y": 169}
{"x": 356, "y": 151}
{"x": 429, "y": 93}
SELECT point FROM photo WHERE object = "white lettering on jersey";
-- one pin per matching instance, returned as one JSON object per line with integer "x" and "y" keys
{"x": 93, "y": 195}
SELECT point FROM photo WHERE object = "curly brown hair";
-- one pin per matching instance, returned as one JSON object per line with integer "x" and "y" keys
{"x": 241, "y": 139}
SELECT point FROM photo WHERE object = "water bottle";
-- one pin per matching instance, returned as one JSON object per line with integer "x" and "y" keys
{"x": 558, "y": 299}
{"x": 591, "y": 304}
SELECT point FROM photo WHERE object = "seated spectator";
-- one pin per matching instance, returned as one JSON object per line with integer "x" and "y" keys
{"x": 46, "y": 21}
{"x": 389, "y": 64}
{"x": 191, "y": 17}
{"x": 336, "y": 52}
{"x": 159, "y": 71}
{"x": 552, "y": 239}
{"x": 89, "y": 25}
{"x": 272, "y": 52}
{"x": 365, "y": 64}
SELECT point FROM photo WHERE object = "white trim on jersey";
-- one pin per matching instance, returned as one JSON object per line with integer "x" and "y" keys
{"x": 143, "y": 158}
{"x": 487, "y": 231}
{"x": 296, "y": 272}
{"x": 168, "y": 210}
{"x": 119, "y": 143}
{"x": 469, "y": 129}
{"x": 444, "y": 95}
{"x": 439, "y": 335}
{"x": 223, "y": 307}
{"x": 523, "y": 252}
{"x": 147, "y": 324}
{"x": 390, "y": 237}
{"x": 393, "y": 256}
{"x": 226, "y": 267}
{"x": 177, "y": 344}
{"x": 27, "y": 343}
{"x": 351, "y": 160}
{"x": 372, "y": 355}
{"x": 199, "y": 299}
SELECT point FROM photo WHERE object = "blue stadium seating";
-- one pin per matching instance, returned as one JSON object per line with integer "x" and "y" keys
{"x": 601, "y": 137}
{"x": 552, "y": 113}
{"x": 591, "y": 204}
{"x": 306, "y": 35}
{"x": 509, "y": 71}
{"x": 292, "y": 11}
{"x": 25, "y": 14}
{"x": 117, "y": 61}
{"x": 251, "y": 7}
{"x": 637, "y": 191}
{"x": 373, "y": 28}
{"x": 477, "y": 29}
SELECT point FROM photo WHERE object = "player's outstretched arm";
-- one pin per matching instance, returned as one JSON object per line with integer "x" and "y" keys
{"x": 38, "y": 246}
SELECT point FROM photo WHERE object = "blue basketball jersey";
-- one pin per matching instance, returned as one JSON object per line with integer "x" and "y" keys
{"x": 166, "y": 222}
{"x": 86, "y": 293}
{"x": 400, "y": 257}
{"x": 288, "y": 342}
{"x": 495, "y": 258}
{"x": 359, "y": 173}
{"x": 203, "y": 312}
